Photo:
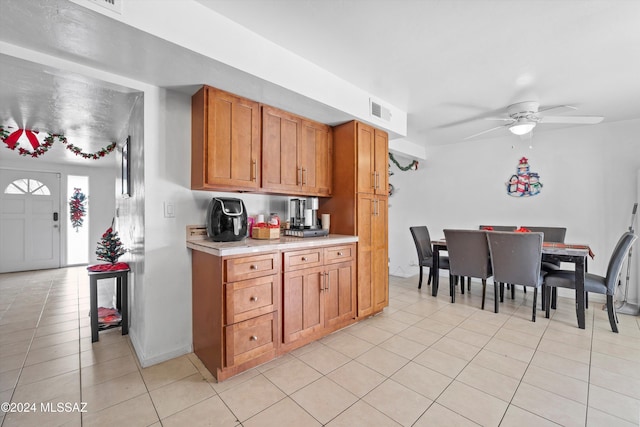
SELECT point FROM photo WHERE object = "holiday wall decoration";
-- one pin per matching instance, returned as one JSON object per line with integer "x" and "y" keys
{"x": 12, "y": 140}
{"x": 524, "y": 183}
{"x": 77, "y": 208}
{"x": 110, "y": 247}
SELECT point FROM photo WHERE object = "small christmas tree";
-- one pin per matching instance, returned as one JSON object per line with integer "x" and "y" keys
{"x": 77, "y": 208}
{"x": 110, "y": 247}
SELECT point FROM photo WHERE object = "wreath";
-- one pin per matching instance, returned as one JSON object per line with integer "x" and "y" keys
{"x": 77, "y": 208}
{"x": 11, "y": 140}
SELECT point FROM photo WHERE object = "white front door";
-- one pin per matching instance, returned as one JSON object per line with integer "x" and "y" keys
{"x": 29, "y": 220}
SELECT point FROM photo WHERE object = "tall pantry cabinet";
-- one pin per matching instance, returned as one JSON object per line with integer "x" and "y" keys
{"x": 359, "y": 207}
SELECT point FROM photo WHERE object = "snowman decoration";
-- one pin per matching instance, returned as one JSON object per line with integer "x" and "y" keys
{"x": 524, "y": 183}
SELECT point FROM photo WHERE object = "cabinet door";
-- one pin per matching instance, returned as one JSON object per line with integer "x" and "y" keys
{"x": 232, "y": 142}
{"x": 340, "y": 294}
{"x": 380, "y": 254}
{"x": 316, "y": 158}
{"x": 366, "y": 205}
{"x": 366, "y": 158}
{"x": 302, "y": 304}
{"x": 281, "y": 132}
{"x": 381, "y": 162}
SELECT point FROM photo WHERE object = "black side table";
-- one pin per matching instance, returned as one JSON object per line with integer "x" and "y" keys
{"x": 122, "y": 295}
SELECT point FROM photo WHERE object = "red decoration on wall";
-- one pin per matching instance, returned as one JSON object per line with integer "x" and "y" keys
{"x": 11, "y": 139}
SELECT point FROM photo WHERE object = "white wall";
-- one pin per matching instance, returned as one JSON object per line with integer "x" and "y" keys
{"x": 590, "y": 182}
{"x": 161, "y": 311}
{"x": 101, "y": 206}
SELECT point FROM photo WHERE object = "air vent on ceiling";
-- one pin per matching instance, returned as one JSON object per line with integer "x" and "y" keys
{"x": 378, "y": 110}
{"x": 113, "y": 5}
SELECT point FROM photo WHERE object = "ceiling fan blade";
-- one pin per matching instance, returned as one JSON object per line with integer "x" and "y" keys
{"x": 503, "y": 119}
{"x": 587, "y": 120}
{"x": 483, "y": 132}
{"x": 554, "y": 107}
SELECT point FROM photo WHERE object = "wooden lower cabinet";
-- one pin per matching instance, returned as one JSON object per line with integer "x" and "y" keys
{"x": 373, "y": 273}
{"x": 320, "y": 298}
{"x": 246, "y": 312}
{"x": 235, "y": 305}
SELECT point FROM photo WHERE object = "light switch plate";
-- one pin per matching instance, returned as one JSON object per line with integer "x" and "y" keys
{"x": 169, "y": 210}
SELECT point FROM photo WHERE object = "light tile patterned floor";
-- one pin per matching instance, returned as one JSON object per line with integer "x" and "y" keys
{"x": 422, "y": 362}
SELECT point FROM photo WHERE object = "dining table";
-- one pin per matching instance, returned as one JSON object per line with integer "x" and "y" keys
{"x": 564, "y": 252}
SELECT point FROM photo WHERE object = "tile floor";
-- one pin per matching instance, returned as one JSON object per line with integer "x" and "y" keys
{"x": 423, "y": 361}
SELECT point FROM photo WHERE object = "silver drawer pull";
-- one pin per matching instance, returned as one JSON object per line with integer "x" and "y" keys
{"x": 254, "y": 266}
{"x": 254, "y": 299}
{"x": 253, "y": 338}
{"x": 339, "y": 253}
{"x": 304, "y": 258}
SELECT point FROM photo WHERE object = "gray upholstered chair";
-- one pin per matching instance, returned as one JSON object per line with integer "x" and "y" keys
{"x": 469, "y": 257}
{"x": 498, "y": 227}
{"x": 502, "y": 228}
{"x": 516, "y": 259}
{"x": 555, "y": 235}
{"x": 551, "y": 234}
{"x": 594, "y": 283}
{"x": 425, "y": 252}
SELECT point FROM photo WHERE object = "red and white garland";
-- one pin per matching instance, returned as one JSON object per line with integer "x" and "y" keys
{"x": 11, "y": 140}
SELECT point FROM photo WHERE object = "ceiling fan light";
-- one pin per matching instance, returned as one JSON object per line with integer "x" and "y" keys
{"x": 522, "y": 127}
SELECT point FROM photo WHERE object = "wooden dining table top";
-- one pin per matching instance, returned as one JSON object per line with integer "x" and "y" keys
{"x": 549, "y": 247}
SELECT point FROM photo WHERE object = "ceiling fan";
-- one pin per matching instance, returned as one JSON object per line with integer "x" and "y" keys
{"x": 522, "y": 117}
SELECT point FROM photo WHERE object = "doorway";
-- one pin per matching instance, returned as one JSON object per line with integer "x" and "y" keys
{"x": 29, "y": 220}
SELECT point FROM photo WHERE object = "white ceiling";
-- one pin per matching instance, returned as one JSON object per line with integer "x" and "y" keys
{"x": 446, "y": 62}
{"x": 443, "y": 62}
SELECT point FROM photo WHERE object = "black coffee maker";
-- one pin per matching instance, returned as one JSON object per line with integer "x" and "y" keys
{"x": 226, "y": 220}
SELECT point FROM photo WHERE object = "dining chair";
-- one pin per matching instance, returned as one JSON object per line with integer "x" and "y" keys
{"x": 551, "y": 234}
{"x": 498, "y": 227}
{"x": 425, "y": 252}
{"x": 469, "y": 257}
{"x": 554, "y": 235}
{"x": 516, "y": 259}
{"x": 594, "y": 283}
{"x": 502, "y": 228}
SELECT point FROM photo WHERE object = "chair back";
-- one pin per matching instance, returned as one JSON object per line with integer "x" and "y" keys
{"x": 468, "y": 253}
{"x": 498, "y": 227}
{"x": 551, "y": 234}
{"x": 516, "y": 257}
{"x": 617, "y": 259}
{"x": 423, "y": 242}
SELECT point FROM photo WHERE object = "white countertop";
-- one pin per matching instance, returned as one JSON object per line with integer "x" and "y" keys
{"x": 252, "y": 246}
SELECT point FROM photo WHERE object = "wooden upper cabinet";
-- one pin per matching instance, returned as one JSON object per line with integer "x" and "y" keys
{"x": 373, "y": 150}
{"x": 365, "y": 158}
{"x": 281, "y": 133}
{"x": 225, "y": 141}
{"x": 317, "y": 158}
{"x": 381, "y": 168}
{"x": 296, "y": 154}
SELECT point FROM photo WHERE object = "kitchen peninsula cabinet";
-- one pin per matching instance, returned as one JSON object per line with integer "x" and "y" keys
{"x": 296, "y": 154}
{"x": 225, "y": 141}
{"x": 359, "y": 207}
{"x": 319, "y": 294}
{"x": 254, "y": 300}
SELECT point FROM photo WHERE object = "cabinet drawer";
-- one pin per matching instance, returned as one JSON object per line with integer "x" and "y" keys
{"x": 251, "y": 338}
{"x": 336, "y": 254}
{"x": 297, "y": 260}
{"x": 251, "y": 298}
{"x": 249, "y": 267}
